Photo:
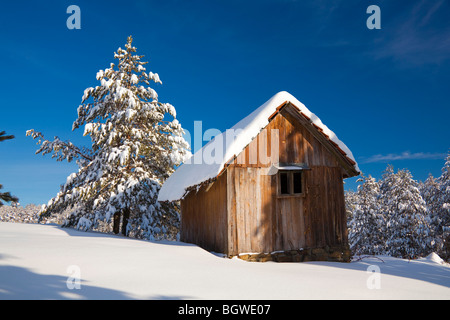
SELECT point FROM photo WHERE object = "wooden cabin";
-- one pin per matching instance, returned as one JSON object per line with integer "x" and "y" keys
{"x": 277, "y": 190}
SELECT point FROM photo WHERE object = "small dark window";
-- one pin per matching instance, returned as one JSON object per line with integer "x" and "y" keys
{"x": 290, "y": 183}
{"x": 297, "y": 181}
{"x": 284, "y": 183}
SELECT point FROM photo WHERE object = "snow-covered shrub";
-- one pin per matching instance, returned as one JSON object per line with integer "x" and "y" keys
{"x": 19, "y": 214}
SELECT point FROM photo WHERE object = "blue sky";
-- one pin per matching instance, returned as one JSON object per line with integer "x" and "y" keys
{"x": 383, "y": 92}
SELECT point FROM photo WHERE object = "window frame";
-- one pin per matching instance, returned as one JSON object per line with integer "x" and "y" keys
{"x": 290, "y": 184}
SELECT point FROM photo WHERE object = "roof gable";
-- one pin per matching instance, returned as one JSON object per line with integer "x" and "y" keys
{"x": 196, "y": 170}
{"x": 347, "y": 163}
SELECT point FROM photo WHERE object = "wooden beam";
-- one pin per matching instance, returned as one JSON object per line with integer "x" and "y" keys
{"x": 278, "y": 110}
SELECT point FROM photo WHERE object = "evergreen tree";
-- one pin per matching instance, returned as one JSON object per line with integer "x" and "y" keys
{"x": 444, "y": 212}
{"x": 408, "y": 233}
{"x": 136, "y": 143}
{"x": 366, "y": 227}
{"x": 6, "y": 196}
{"x": 431, "y": 194}
{"x": 350, "y": 205}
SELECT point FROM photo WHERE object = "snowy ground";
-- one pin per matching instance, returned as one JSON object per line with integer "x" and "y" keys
{"x": 37, "y": 260}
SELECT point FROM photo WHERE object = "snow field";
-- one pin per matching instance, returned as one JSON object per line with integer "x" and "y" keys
{"x": 35, "y": 260}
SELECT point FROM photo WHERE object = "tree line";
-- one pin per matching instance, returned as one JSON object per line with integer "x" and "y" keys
{"x": 399, "y": 216}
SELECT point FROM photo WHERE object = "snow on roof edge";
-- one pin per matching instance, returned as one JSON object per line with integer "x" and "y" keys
{"x": 191, "y": 174}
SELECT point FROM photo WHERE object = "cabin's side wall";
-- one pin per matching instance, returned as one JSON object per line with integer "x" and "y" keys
{"x": 261, "y": 221}
{"x": 204, "y": 216}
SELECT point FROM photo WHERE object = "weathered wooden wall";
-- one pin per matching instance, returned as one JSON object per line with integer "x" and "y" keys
{"x": 324, "y": 208}
{"x": 242, "y": 211}
{"x": 259, "y": 220}
{"x": 296, "y": 144}
{"x": 204, "y": 216}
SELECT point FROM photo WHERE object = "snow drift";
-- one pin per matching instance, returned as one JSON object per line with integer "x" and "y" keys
{"x": 37, "y": 261}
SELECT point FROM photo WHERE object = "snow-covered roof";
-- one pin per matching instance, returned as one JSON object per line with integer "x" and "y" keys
{"x": 194, "y": 172}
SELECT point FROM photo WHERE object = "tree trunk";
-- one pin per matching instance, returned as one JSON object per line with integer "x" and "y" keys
{"x": 116, "y": 223}
{"x": 125, "y": 217}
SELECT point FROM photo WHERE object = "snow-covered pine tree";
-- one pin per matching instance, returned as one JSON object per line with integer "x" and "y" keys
{"x": 366, "y": 226}
{"x": 350, "y": 204}
{"x": 431, "y": 194}
{"x": 408, "y": 233}
{"x": 444, "y": 212}
{"x": 136, "y": 144}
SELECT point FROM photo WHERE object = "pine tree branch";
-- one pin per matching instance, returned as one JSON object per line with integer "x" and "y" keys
{"x": 7, "y": 197}
{"x": 61, "y": 150}
{"x": 3, "y": 137}
{"x": 368, "y": 256}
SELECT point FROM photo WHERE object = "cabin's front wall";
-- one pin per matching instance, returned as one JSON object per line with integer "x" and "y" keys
{"x": 242, "y": 212}
{"x": 259, "y": 220}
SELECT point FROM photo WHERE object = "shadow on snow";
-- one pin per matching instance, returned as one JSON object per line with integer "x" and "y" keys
{"x": 419, "y": 269}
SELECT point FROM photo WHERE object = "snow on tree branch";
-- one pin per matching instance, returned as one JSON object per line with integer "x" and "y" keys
{"x": 136, "y": 144}
{"x": 60, "y": 150}
{"x": 399, "y": 216}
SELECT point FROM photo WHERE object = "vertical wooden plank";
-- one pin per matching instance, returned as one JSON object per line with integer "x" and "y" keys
{"x": 231, "y": 212}
{"x": 266, "y": 213}
{"x": 246, "y": 212}
{"x": 273, "y": 210}
{"x": 343, "y": 235}
{"x": 240, "y": 159}
{"x": 268, "y": 130}
{"x": 275, "y": 146}
{"x": 276, "y": 216}
{"x": 306, "y": 209}
{"x": 333, "y": 208}
{"x": 239, "y": 218}
{"x": 320, "y": 150}
{"x": 282, "y": 136}
{"x": 297, "y": 144}
{"x": 302, "y": 158}
{"x": 243, "y": 209}
{"x": 326, "y": 207}
{"x": 282, "y": 223}
{"x": 315, "y": 209}
{"x": 322, "y": 204}
{"x": 246, "y": 154}
{"x": 287, "y": 153}
{"x": 250, "y": 210}
{"x": 307, "y": 148}
{"x": 253, "y": 153}
{"x": 301, "y": 229}
{"x": 221, "y": 227}
{"x": 291, "y": 151}
{"x": 263, "y": 155}
{"x": 258, "y": 199}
